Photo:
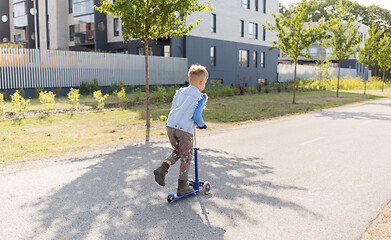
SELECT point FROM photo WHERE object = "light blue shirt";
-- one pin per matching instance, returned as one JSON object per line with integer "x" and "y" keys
{"x": 186, "y": 109}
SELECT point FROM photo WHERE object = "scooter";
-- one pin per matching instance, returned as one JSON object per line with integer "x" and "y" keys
{"x": 196, "y": 183}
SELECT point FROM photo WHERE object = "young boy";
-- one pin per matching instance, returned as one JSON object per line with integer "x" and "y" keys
{"x": 185, "y": 115}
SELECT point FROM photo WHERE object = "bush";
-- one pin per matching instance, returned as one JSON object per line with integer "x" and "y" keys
{"x": 73, "y": 96}
{"x": 159, "y": 93}
{"x": 87, "y": 87}
{"x": 138, "y": 95}
{"x": 18, "y": 102}
{"x": 100, "y": 98}
{"x": 38, "y": 90}
{"x": 113, "y": 89}
{"x": 163, "y": 118}
{"x": 122, "y": 94}
{"x": 1, "y": 104}
{"x": 47, "y": 99}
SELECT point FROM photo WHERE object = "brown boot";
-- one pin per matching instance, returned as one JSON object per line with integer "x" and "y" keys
{"x": 183, "y": 188}
{"x": 160, "y": 173}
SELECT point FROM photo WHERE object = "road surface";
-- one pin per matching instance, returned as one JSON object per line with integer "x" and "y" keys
{"x": 322, "y": 175}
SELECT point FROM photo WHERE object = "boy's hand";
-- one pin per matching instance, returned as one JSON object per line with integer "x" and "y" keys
{"x": 203, "y": 127}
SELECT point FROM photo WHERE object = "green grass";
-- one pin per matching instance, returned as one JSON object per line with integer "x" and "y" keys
{"x": 55, "y": 135}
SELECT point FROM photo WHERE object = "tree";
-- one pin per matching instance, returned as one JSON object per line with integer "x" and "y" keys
{"x": 294, "y": 38}
{"x": 368, "y": 54}
{"x": 384, "y": 56}
{"x": 343, "y": 38}
{"x": 147, "y": 20}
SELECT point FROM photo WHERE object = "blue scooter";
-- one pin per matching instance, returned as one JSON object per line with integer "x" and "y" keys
{"x": 196, "y": 183}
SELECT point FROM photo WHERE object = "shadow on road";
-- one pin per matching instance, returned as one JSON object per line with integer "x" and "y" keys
{"x": 117, "y": 198}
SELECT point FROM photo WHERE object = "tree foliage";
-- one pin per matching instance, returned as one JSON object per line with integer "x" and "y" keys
{"x": 295, "y": 37}
{"x": 147, "y": 20}
{"x": 384, "y": 55}
{"x": 342, "y": 38}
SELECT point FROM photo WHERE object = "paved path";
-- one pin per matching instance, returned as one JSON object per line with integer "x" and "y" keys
{"x": 322, "y": 175}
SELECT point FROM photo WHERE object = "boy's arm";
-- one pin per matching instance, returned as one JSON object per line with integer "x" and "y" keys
{"x": 197, "y": 115}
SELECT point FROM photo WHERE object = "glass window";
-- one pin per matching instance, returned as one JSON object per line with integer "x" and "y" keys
{"x": 213, "y": 56}
{"x": 262, "y": 59}
{"x": 256, "y": 5}
{"x": 253, "y": 30}
{"x": 140, "y": 51}
{"x": 264, "y": 6}
{"x": 70, "y": 6}
{"x": 167, "y": 50}
{"x": 72, "y": 33}
{"x": 243, "y": 58}
{"x": 245, "y": 4}
{"x": 213, "y": 23}
{"x": 116, "y": 27}
{"x": 255, "y": 59}
{"x": 241, "y": 28}
{"x": 263, "y": 34}
{"x": 83, "y": 7}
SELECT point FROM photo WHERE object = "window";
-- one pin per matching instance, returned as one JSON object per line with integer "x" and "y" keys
{"x": 262, "y": 59}
{"x": 264, "y": 6}
{"x": 243, "y": 58}
{"x": 255, "y": 59}
{"x": 241, "y": 28}
{"x": 140, "y": 51}
{"x": 70, "y": 6}
{"x": 167, "y": 50}
{"x": 83, "y": 7}
{"x": 263, "y": 34}
{"x": 256, "y": 5}
{"x": 245, "y": 4}
{"x": 213, "y": 23}
{"x": 253, "y": 30}
{"x": 72, "y": 33}
{"x": 213, "y": 56}
{"x": 116, "y": 27}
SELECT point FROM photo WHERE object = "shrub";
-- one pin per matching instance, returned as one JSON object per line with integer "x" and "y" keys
{"x": 37, "y": 91}
{"x": 87, "y": 87}
{"x": 159, "y": 93}
{"x": 171, "y": 93}
{"x": 47, "y": 99}
{"x": 138, "y": 95}
{"x": 1, "y": 104}
{"x": 20, "y": 104}
{"x": 100, "y": 98}
{"x": 21, "y": 92}
{"x": 113, "y": 89}
{"x": 163, "y": 118}
{"x": 122, "y": 94}
{"x": 73, "y": 96}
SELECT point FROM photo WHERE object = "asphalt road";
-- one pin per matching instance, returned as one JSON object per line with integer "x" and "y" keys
{"x": 323, "y": 175}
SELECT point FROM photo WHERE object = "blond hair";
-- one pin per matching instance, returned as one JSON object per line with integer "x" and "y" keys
{"x": 197, "y": 73}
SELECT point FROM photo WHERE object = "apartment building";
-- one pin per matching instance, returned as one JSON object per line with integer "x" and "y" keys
{"x": 231, "y": 41}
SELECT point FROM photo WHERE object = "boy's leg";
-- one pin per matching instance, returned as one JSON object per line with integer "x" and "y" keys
{"x": 161, "y": 171}
{"x": 186, "y": 152}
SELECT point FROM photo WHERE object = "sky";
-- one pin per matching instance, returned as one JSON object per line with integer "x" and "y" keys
{"x": 382, "y": 3}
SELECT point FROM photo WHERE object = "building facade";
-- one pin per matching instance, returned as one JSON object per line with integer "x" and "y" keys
{"x": 231, "y": 41}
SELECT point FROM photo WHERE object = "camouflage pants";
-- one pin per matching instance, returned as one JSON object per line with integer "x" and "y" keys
{"x": 182, "y": 144}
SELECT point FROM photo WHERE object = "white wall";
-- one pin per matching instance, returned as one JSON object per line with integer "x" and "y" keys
{"x": 286, "y": 72}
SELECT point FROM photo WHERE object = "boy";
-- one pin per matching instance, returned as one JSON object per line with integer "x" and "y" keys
{"x": 185, "y": 115}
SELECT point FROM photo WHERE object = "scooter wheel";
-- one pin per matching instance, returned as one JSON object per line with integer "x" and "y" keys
{"x": 207, "y": 187}
{"x": 170, "y": 197}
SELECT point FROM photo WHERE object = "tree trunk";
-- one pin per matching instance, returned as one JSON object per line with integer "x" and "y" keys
{"x": 294, "y": 84}
{"x": 384, "y": 75}
{"x": 365, "y": 79}
{"x": 339, "y": 74}
{"x": 148, "y": 122}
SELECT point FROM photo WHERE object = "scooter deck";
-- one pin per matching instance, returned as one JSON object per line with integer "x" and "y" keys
{"x": 176, "y": 197}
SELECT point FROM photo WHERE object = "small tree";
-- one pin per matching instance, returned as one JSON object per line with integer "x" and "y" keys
{"x": 47, "y": 99}
{"x": 1, "y": 104}
{"x": 147, "y": 20}
{"x": 294, "y": 38}
{"x": 384, "y": 56}
{"x": 343, "y": 39}
{"x": 368, "y": 54}
{"x": 100, "y": 99}
{"x": 73, "y": 97}
{"x": 20, "y": 104}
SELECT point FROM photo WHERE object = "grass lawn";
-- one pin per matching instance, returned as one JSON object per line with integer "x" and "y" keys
{"x": 44, "y": 137}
